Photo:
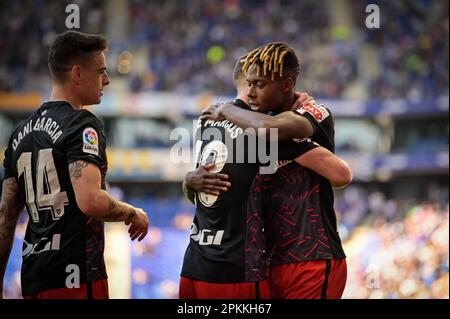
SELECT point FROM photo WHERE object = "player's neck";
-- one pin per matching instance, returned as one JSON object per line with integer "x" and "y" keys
{"x": 289, "y": 102}
{"x": 242, "y": 91}
{"x": 61, "y": 93}
{"x": 242, "y": 97}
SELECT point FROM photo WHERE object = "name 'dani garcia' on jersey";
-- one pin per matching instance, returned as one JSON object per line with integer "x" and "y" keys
{"x": 46, "y": 125}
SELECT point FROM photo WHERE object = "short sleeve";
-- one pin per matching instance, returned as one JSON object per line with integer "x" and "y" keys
{"x": 85, "y": 139}
{"x": 322, "y": 122}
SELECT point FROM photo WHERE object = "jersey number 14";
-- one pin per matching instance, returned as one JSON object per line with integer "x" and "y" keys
{"x": 46, "y": 176}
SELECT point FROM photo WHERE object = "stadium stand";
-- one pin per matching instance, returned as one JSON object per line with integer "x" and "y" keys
{"x": 387, "y": 87}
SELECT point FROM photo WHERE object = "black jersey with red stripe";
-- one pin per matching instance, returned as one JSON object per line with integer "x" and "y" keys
{"x": 62, "y": 246}
{"x": 216, "y": 251}
{"x": 290, "y": 214}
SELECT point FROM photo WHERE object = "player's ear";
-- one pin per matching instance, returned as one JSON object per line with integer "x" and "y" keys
{"x": 76, "y": 74}
{"x": 288, "y": 84}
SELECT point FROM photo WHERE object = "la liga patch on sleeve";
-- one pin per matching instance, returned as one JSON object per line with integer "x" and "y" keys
{"x": 90, "y": 141}
{"x": 318, "y": 111}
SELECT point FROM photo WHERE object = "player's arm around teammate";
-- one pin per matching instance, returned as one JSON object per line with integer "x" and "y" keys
{"x": 289, "y": 125}
{"x": 203, "y": 180}
{"x": 319, "y": 160}
{"x": 327, "y": 164}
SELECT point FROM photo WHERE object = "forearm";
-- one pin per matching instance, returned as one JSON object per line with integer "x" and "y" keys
{"x": 327, "y": 164}
{"x": 287, "y": 124}
{"x": 106, "y": 208}
{"x": 11, "y": 205}
{"x": 6, "y": 242}
{"x": 91, "y": 199}
{"x": 245, "y": 118}
{"x": 345, "y": 176}
{"x": 188, "y": 192}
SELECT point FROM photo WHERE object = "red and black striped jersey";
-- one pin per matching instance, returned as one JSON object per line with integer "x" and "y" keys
{"x": 291, "y": 216}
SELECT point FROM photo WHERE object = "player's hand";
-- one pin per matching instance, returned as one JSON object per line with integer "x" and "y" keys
{"x": 213, "y": 112}
{"x": 139, "y": 225}
{"x": 202, "y": 180}
{"x": 303, "y": 99}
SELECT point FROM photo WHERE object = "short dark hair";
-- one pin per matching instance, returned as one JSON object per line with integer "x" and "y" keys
{"x": 238, "y": 73}
{"x": 276, "y": 58}
{"x": 72, "y": 47}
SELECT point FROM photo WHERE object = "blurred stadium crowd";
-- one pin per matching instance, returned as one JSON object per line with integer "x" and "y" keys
{"x": 397, "y": 246}
{"x": 191, "y": 45}
{"x": 407, "y": 258}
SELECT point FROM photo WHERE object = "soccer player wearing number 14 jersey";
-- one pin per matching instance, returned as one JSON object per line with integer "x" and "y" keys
{"x": 56, "y": 164}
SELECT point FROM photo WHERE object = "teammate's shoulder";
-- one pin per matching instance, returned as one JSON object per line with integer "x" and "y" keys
{"x": 317, "y": 111}
{"x": 330, "y": 112}
{"x": 328, "y": 109}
